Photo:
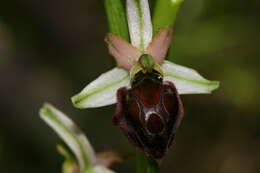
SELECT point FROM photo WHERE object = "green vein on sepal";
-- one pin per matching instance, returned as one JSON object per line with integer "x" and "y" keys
{"x": 139, "y": 23}
{"x": 187, "y": 80}
{"x": 102, "y": 91}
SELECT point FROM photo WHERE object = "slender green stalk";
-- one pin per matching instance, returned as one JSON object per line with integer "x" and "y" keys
{"x": 165, "y": 13}
{"x": 117, "y": 18}
{"x": 146, "y": 165}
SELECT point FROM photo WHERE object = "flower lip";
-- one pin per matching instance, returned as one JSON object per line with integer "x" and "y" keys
{"x": 143, "y": 116}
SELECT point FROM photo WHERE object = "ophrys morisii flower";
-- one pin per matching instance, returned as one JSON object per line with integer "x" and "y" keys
{"x": 144, "y": 85}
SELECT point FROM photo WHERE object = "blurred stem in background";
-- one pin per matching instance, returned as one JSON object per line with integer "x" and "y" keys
{"x": 116, "y": 16}
{"x": 165, "y": 12}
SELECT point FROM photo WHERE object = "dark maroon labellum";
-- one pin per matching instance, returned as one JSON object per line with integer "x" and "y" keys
{"x": 149, "y": 114}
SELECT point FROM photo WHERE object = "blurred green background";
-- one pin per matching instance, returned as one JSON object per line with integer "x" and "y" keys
{"x": 49, "y": 50}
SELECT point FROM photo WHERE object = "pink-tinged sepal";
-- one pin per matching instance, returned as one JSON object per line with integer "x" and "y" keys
{"x": 160, "y": 44}
{"x": 125, "y": 54}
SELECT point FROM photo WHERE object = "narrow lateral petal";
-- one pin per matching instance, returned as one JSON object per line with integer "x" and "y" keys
{"x": 102, "y": 91}
{"x": 124, "y": 53}
{"x": 139, "y": 23}
{"x": 160, "y": 44}
{"x": 70, "y": 134}
{"x": 187, "y": 80}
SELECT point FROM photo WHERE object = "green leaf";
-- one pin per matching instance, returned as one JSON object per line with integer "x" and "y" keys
{"x": 117, "y": 18}
{"x": 187, "y": 80}
{"x": 102, "y": 91}
{"x": 165, "y": 13}
{"x": 70, "y": 134}
{"x": 139, "y": 23}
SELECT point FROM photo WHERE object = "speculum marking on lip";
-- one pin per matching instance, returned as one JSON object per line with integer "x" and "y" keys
{"x": 154, "y": 124}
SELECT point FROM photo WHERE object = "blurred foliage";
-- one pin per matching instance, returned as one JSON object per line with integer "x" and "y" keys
{"x": 50, "y": 50}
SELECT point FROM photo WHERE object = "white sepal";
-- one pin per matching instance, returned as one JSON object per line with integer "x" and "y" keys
{"x": 187, "y": 80}
{"x": 139, "y": 23}
{"x": 70, "y": 134}
{"x": 102, "y": 91}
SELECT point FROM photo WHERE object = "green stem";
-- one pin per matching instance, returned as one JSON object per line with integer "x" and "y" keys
{"x": 165, "y": 13}
{"x": 146, "y": 165}
{"x": 117, "y": 18}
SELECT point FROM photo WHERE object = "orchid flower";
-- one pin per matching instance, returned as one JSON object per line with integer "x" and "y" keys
{"x": 84, "y": 159}
{"x": 103, "y": 90}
